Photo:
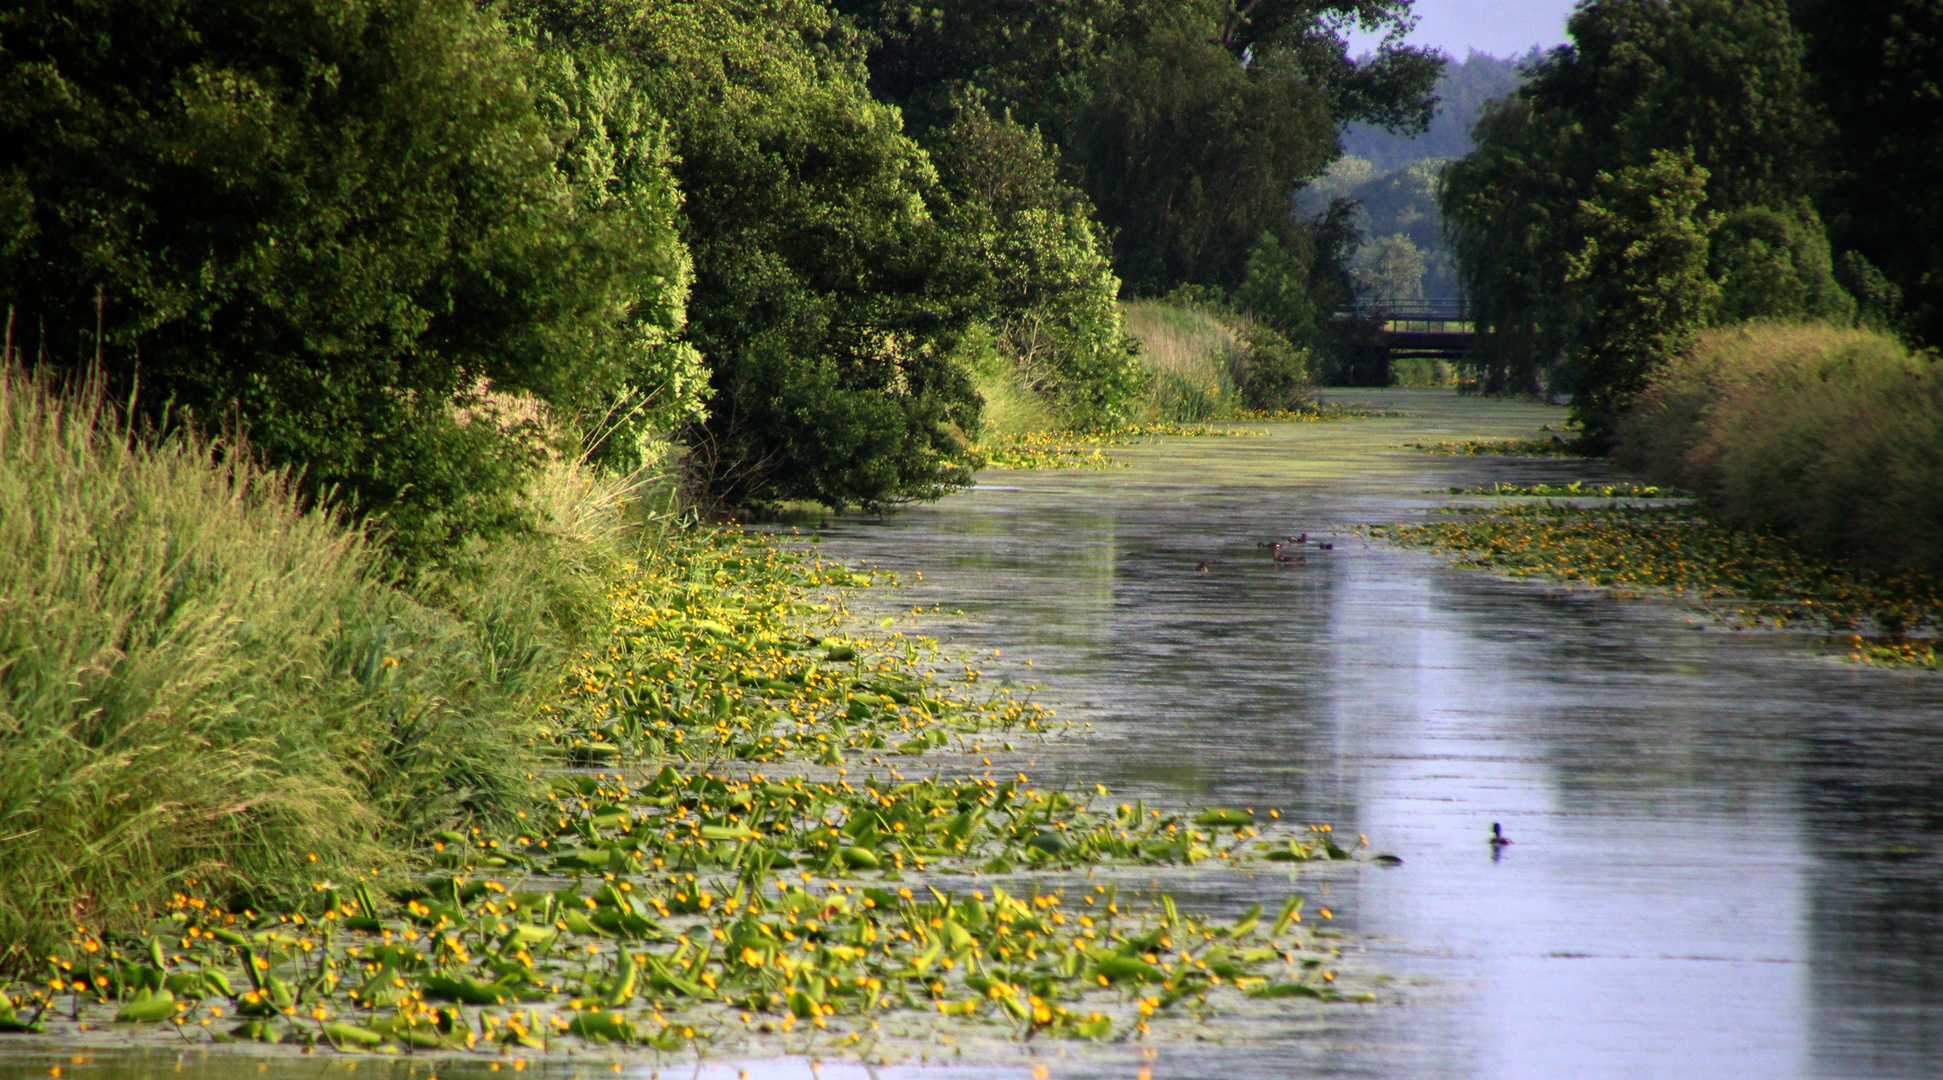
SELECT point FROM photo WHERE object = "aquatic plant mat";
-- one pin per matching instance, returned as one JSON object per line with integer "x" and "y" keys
{"x": 742, "y": 867}
{"x": 1087, "y": 449}
{"x": 1747, "y": 578}
{"x": 1553, "y": 446}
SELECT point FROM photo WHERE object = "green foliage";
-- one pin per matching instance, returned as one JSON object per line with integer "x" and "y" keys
{"x": 1879, "y": 69}
{"x": 1191, "y": 156}
{"x": 1643, "y": 272}
{"x": 1775, "y": 264}
{"x": 1831, "y": 435}
{"x": 1721, "y": 80}
{"x": 1275, "y": 375}
{"x": 1461, "y": 92}
{"x": 1390, "y": 268}
{"x": 1026, "y": 250}
{"x": 1877, "y": 299}
{"x": 1402, "y": 206}
{"x": 207, "y": 681}
{"x": 340, "y": 225}
{"x": 1187, "y": 125}
{"x": 819, "y": 303}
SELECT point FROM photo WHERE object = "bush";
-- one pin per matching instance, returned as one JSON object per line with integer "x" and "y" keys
{"x": 337, "y": 224}
{"x": 1275, "y": 375}
{"x": 208, "y": 682}
{"x": 1034, "y": 266}
{"x": 1833, "y": 435}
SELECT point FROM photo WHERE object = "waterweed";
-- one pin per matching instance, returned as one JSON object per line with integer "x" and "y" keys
{"x": 1747, "y": 577}
{"x": 1547, "y": 447}
{"x": 1083, "y": 449}
{"x": 672, "y": 898}
{"x": 1577, "y": 489}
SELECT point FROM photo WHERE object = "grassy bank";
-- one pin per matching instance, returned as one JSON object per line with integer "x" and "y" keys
{"x": 1831, "y": 436}
{"x": 590, "y": 791}
{"x": 722, "y": 880}
{"x": 208, "y": 683}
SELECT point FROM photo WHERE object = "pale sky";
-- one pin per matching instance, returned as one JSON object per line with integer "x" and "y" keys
{"x": 1499, "y": 27}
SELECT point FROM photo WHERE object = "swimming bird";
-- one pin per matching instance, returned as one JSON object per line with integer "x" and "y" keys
{"x": 1497, "y": 836}
{"x": 1303, "y": 539}
{"x": 1325, "y": 547}
{"x": 1298, "y": 560}
{"x": 1200, "y": 568}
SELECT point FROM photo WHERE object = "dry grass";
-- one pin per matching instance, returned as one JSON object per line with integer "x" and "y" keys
{"x": 1833, "y": 435}
{"x": 208, "y": 682}
{"x": 1193, "y": 355}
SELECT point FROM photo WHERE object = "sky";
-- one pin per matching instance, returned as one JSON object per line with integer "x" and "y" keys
{"x": 1505, "y": 28}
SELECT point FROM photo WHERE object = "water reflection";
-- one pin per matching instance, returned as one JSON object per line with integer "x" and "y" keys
{"x": 1726, "y": 859}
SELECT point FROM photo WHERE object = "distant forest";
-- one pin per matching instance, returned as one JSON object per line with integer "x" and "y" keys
{"x": 1404, "y": 254}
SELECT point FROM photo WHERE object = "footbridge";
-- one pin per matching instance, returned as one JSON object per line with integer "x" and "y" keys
{"x": 1378, "y": 331}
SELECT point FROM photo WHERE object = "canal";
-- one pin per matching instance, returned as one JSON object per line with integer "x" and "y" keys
{"x": 1725, "y": 856}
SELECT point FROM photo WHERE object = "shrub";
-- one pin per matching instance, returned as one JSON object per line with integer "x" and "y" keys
{"x": 1275, "y": 375}
{"x": 1833, "y": 435}
{"x": 1642, "y": 267}
{"x": 337, "y": 224}
{"x": 208, "y": 681}
{"x": 1029, "y": 259}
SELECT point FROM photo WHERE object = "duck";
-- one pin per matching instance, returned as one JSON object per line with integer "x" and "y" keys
{"x": 1302, "y": 539}
{"x": 1497, "y": 836}
{"x": 1298, "y": 560}
{"x": 1201, "y": 568}
{"x": 1325, "y": 547}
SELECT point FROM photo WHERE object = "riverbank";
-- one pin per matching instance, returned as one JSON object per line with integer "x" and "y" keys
{"x": 743, "y": 867}
{"x": 1715, "y": 831}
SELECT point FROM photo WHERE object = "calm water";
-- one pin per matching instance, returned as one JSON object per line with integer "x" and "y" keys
{"x": 1726, "y": 858}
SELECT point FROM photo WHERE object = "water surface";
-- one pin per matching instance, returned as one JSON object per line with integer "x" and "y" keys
{"x": 1726, "y": 858}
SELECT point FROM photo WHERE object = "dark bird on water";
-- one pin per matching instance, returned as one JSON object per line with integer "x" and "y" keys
{"x": 1303, "y": 539}
{"x": 1325, "y": 547}
{"x": 1497, "y": 836}
{"x": 1200, "y": 568}
{"x": 1298, "y": 560}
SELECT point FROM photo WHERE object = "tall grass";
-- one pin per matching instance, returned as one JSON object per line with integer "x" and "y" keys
{"x": 205, "y": 681}
{"x": 1834, "y": 435}
{"x": 1194, "y": 356}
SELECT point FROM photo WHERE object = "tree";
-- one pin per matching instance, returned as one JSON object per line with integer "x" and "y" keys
{"x": 1188, "y": 125}
{"x": 1190, "y": 157}
{"x": 339, "y": 225}
{"x": 1390, "y": 267}
{"x": 822, "y": 299}
{"x": 1642, "y": 266}
{"x": 1879, "y": 69}
{"x": 1721, "y": 80}
{"x": 1028, "y": 251}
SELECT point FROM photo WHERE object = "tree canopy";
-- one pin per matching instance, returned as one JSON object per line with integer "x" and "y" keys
{"x": 1720, "y": 83}
{"x": 1188, "y": 125}
{"x": 342, "y": 228}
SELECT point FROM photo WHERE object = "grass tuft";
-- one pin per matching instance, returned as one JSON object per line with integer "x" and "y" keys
{"x": 1831, "y": 435}
{"x": 211, "y": 686}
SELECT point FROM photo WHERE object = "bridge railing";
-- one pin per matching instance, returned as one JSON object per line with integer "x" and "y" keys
{"x": 1404, "y": 316}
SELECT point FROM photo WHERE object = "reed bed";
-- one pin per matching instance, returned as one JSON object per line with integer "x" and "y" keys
{"x": 1830, "y": 435}
{"x": 208, "y": 681}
